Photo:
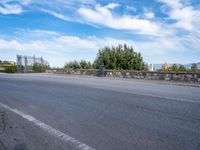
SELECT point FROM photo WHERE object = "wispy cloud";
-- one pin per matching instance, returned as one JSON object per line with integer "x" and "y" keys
{"x": 131, "y": 8}
{"x": 149, "y": 15}
{"x": 102, "y": 16}
{"x": 172, "y": 29}
{"x": 58, "y": 48}
{"x": 55, "y": 14}
{"x": 185, "y": 15}
{"x": 7, "y": 9}
{"x": 112, "y": 5}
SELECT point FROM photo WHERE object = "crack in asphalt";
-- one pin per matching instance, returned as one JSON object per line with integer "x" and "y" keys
{"x": 2, "y": 128}
{"x": 2, "y": 122}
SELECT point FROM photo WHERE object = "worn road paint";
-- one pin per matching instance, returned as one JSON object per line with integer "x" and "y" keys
{"x": 58, "y": 134}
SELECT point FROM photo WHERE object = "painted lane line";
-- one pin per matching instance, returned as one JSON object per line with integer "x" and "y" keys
{"x": 168, "y": 98}
{"x": 54, "y": 132}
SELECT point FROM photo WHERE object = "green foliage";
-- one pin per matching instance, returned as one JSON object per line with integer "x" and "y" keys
{"x": 85, "y": 65}
{"x": 182, "y": 68}
{"x": 194, "y": 68}
{"x": 79, "y": 65}
{"x": 11, "y": 69}
{"x": 177, "y": 68}
{"x": 121, "y": 57}
{"x": 174, "y": 68}
{"x": 40, "y": 68}
{"x": 73, "y": 65}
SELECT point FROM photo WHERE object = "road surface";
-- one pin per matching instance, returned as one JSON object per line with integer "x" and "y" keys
{"x": 51, "y": 112}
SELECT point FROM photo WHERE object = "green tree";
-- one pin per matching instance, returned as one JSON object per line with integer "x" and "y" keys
{"x": 182, "y": 68}
{"x": 174, "y": 68}
{"x": 194, "y": 68}
{"x": 40, "y": 68}
{"x": 73, "y": 65}
{"x": 89, "y": 65}
{"x": 83, "y": 64}
{"x": 121, "y": 57}
{"x": 11, "y": 69}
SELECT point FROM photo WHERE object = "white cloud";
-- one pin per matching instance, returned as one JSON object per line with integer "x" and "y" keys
{"x": 25, "y": 2}
{"x": 131, "y": 8}
{"x": 175, "y": 4}
{"x": 7, "y": 9}
{"x": 58, "y": 48}
{"x": 186, "y": 16}
{"x": 102, "y": 16}
{"x": 149, "y": 15}
{"x": 112, "y": 5}
{"x": 69, "y": 2}
{"x": 55, "y": 14}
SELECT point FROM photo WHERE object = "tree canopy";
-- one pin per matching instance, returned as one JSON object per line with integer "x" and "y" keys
{"x": 121, "y": 57}
{"x": 39, "y": 67}
{"x": 194, "y": 68}
{"x": 83, "y": 64}
{"x": 181, "y": 68}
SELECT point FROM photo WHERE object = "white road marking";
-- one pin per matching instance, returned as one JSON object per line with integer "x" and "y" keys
{"x": 58, "y": 134}
{"x": 168, "y": 98}
{"x": 149, "y": 95}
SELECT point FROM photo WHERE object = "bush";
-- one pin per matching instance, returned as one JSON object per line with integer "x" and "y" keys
{"x": 39, "y": 68}
{"x": 78, "y": 65}
{"x": 11, "y": 69}
{"x": 121, "y": 57}
{"x": 194, "y": 68}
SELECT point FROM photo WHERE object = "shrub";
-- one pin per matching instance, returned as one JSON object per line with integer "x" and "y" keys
{"x": 11, "y": 69}
{"x": 121, "y": 57}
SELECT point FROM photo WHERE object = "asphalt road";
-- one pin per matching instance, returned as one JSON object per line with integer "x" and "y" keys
{"x": 102, "y": 113}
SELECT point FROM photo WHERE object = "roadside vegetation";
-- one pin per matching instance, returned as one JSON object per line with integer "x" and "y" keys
{"x": 7, "y": 67}
{"x": 121, "y": 57}
{"x": 39, "y": 68}
{"x": 181, "y": 68}
{"x": 83, "y": 64}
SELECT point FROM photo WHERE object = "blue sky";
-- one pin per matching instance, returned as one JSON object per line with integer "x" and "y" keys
{"x": 64, "y": 30}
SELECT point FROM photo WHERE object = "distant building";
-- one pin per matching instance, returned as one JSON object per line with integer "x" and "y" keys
{"x": 151, "y": 67}
{"x": 165, "y": 66}
{"x": 2, "y": 69}
{"x": 26, "y": 63}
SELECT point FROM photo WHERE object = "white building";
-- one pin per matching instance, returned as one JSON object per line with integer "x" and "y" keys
{"x": 151, "y": 67}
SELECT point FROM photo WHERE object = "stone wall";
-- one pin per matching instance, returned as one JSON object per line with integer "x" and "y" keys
{"x": 89, "y": 72}
{"x": 186, "y": 77}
